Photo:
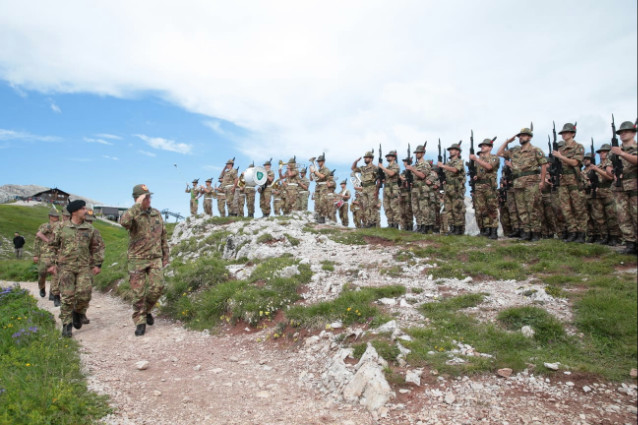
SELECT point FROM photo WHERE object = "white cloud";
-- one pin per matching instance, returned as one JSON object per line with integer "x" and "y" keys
{"x": 100, "y": 141}
{"x": 113, "y": 158}
{"x": 166, "y": 144}
{"x": 304, "y": 77}
{"x": 108, "y": 136}
{"x": 147, "y": 153}
{"x": 55, "y": 108}
{"x": 26, "y": 136}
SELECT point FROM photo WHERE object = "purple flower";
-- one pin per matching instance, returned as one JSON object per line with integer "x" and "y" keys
{"x": 33, "y": 329}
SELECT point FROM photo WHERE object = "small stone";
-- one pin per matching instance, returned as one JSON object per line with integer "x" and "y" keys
{"x": 262, "y": 361}
{"x": 413, "y": 377}
{"x": 388, "y": 301}
{"x": 157, "y": 393}
{"x": 142, "y": 365}
{"x": 552, "y": 366}
{"x": 234, "y": 359}
{"x": 336, "y": 325}
{"x": 404, "y": 391}
{"x": 197, "y": 368}
{"x": 586, "y": 389}
{"x": 505, "y": 372}
{"x": 633, "y": 373}
{"x": 263, "y": 394}
{"x": 244, "y": 362}
{"x": 450, "y": 398}
{"x": 569, "y": 383}
{"x": 383, "y": 412}
{"x": 267, "y": 368}
{"x": 217, "y": 370}
{"x": 527, "y": 331}
{"x": 186, "y": 399}
{"x": 567, "y": 372}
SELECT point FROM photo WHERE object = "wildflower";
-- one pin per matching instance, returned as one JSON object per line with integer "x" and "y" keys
{"x": 349, "y": 308}
{"x": 28, "y": 364}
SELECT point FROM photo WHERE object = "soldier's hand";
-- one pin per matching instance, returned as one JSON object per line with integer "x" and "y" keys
{"x": 53, "y": 270}
{"x": 439, "y": 164}
{"x": 473, "y": 157}
{"x": 616, "y": 150}
{"x": 140, "y": 199}
{"x": 475, "y": 178}
{"x": 556, "y": 154}
{"x": 541, "y": 185}
{"x": 35, "y": 259}
{"x": 96, "y": 270}
{"x": 510, "y": 140}
{"x": 358, "y": 159}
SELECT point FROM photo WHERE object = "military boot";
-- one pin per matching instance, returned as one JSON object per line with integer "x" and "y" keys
{"x": 592, "y": 239}
{"x": 460, "y": 230}
{"x": 452, "y": 231}
{"x": 67, "y": 330}
{"x": 436, "y": 230}
{"x": 604, "y": 239}
{"x": 613, "y": 240}
{"x": 565, "y": 235}
{"x": 630, "y": 248}
{"x": 140, "y": 329}
{"x": 43, "y": 293}
{"x": 149, "y": 319}
{"x": 77, "y": 320}
{"x": 580, "y": 237}
{"x": 571, "y": 237}
{"x": 85, "y": 320}
{"x": 525, "y": 236}
{"x": 493, "y": 233}
{"x": 56, "y": 301}
{"x": 515, "y": 233}
{"x": 51, "y": 296}
{"x": 534, "y": 236}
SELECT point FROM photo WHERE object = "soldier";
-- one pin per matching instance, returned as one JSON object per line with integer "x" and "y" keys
{"x": 391, "y": 195}
{"x": 209, "y": 193}
{"x": 528, "y": 181}
{"x": 515, "y": 221}
{"x": 55, "y": 280}
{"x": 343, "y": 209}
{"x": 228, "y": 181}
{"x": 194, "y": 197}
{"x": 572, "y": 199}
{"x": 455, "y": 190}
{"x": 331, "y": 199}
{"x": 240, "y": 196}
{"x": 291, "y": 185}
{"x": 626, "y": 202}
{"x": 42, "y": 252}
{"x": 250, "y": 192}
{"x": 265, "y": 191}
{"x": 369, "y": 191}
{"x": 503, "y": 211}
{"x": 78, "y": 252}
{"x": 147, "y": 256}
{"x": 605, "y": 195}
{"x": 594, "y": 208}
{"x": 221, "y": 201}
{"x": 278, "y": 200}
{"x": 548, "y": 215}
{"x": 422, "y": 196}
{"x": 321, "y": 180}
{"x": 485, "y": 196}
{"x": 405, "y": 206}
{"x": 304, "y": 185}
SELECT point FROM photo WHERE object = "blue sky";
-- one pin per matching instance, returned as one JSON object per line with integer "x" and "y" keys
{"x": 197, "y": 83}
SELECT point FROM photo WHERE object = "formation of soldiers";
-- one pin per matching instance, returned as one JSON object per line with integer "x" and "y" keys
{"x": 72, "y": 252}
{"x": 565, "y": 194}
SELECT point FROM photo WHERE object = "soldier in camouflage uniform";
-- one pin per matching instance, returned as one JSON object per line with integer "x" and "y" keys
{"x": 606, "y": 197}
{"x": 209, "y": 193}
{"x": 320, "y": 177}
{"x": 422, "y": 196}
{"x": 221, "y": 201}
{"x": 291, "y": 186}
{"x": 78, "y": 252}
{"x": 250, "y": 193}
{"x": 485, "y": 195}
{"x": 391, "y": 190}
{"x": 228, "y": 181}
{"x": 455, "y": 190}
{"x": 405, "y": 206}
{"x": 147, "y": 256}
{"x": 548, "y": 215}
{"x": 504, "y": 213}
{"x": 344, "y": 195}
{"x": 304, "y": 192}
{"x": 596, "y": 225}
{"x": 42, "y": 252}
{"x": 55, "y": 280}
{"x": 278, "y": 200}
{"x": 355, "y": 208}
{"x": 265, "y": 192}
{"x": 194, "y": 191}
{"x": 528, "y": 182}
{"x": 627, "y": 198}
{"x": 570, "y": 193}
{"x": 369, "y": 191}
{"x": 331, "y": 200}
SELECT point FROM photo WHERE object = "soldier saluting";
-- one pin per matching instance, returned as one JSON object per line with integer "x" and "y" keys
{"x": 194, "y": 191}
{"x": 368, "y": 189}
{"x": 147, "y": 256}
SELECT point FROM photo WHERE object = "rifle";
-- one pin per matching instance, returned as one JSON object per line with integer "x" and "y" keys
{"x": 615, "y": 160}
{"x": 380, "y": 173}
{"x": 409, "y": 177}
{"x": 471, "y": 165}
{"x": 439, "y": 170}
{"x": 556, "y": 166}
{"x": 591, "y": 174}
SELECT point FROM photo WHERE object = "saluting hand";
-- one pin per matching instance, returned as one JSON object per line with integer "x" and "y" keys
{"x": 140, "y": 199}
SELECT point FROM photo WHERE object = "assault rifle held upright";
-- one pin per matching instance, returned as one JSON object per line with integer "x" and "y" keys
{"x": 471, "y": 166}
{"x": 616, "y": 162}
{"x": 409, "y": 177}
{"x": 555, "y": 166}
{"x": 380, "y": 173}
{"x": 591, "y": 174}
{"x": 439, "y": 170}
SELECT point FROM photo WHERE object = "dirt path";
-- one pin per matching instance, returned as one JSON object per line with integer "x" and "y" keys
{"x": 193, "y": 378}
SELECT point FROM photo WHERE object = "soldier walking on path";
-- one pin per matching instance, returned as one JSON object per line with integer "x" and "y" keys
{"x": 194, "y": 191}
{"x": 627, "y": 195}
{"x": 529, "y": 167}
{"x": 485, "y": 195}
{"x": 391, "y": 190}
{"x": 42, "y": 251}
{"x": 78, "y": 251}
{"x": 455, "y": 190}
{"x": 369, "y": 194}
{"x": 570, "y": 191}
{"x": 265, "y": 191}
{"x": 147, "y": 256}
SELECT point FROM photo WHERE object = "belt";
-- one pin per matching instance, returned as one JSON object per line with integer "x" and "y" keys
{"x": 250, "y": 187}
{"x": 629, "y": 176}
{"x": 293, "y": 184}
{"x": 483, "y": 181}
{"x": 303, "y": 191}
{"x": 229, "y": 185}
{"x": 368, "y": 184}
{"x": 321, "y": 183}
{"x": 525, "y": 173}
{"x": 569, "y": 171}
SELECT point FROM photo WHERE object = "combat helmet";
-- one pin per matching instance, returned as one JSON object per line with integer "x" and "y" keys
{"x": 419, "y": 149}
{"x": 369, "y": 154}
{"x": 588, "y": 155}
{"x": 53, "y": 212}
{"x": 604, "y": 148}
{"x": 456, "y": 146}
{"x": 526, "y": 131}
{"x": 627, "y": 125}
{"x": 343, "y": 182}
{"x": 195, "y": 181}
{"x": 269, "y": 162}
{"x": 321, "y": 157}
{"x": 568, "y": 128}
{"x": 391, "y": 153}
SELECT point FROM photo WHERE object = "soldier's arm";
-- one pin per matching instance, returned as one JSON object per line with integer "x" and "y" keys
{"x": 96, "y": 248}
{"x": 502, "y": 150}
{"x": 543, "y": 173}
{"x": 165, "y": 250}
{"x": 603, "y": 172}
{"x": 130, "y": 216}
{"x": 629, "y": 157}
{"x": 483, "y": 164}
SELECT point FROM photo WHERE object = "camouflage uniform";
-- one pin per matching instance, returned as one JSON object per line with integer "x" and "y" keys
{"x": 278, "y": 203}
{"x": 302, "y": 196}
{"x": 391, "y": 195}
{"x": 265, "y": 197}
{"x": 209, "y": 194}
{"x": 240, "y": 201}
{"x": 355, "y": 208}
{"x": 606, "y": 197}
{"x": 228, "y": 185}
{"x": 147, "y": 254}
{"x": 548, "y": 215}
{"x": 504, "y": 212}
{"x": 321, "y": 188}
{"x": 194, "y": 203}
{"x": 291, "y": 186}
{"x": 485, "y": 196}
{"x": 570, "y": 193}
{"x": 369, "y": 194}
{"x": 44, "y": 251}
{"x": 221, "y": 201}
{"x": 422, "y": 195}
{"x": 77, "y": 248}
{"x": 405, "y": 206}
{"x": 455, "y": 194}
{"x": 55, "y": 283}
{"x": 331, "y": 200}
{"x": 526, "y": 161}
{"x": 627, "y": 198}
{"x": 343, "y": 210}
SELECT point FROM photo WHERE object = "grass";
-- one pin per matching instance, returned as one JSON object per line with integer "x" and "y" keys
{"x": 40, "y": 376}
{"x": 327, "y": 265}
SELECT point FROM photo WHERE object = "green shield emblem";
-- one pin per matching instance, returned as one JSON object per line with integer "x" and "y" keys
{"x": 260, "y": 175}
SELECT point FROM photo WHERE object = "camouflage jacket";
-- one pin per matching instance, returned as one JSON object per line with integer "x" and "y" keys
{"x": 572, "y": 175}
{"x": 424, "y": 167}
{"x": 229, "y": 178}
{"x": 41, "y": 248}
{"x": 605, "y": 165}
{"x": 395, "y": 178}
{"x": 325, "y": 171}
{"x": 455, "y": 181}
{"x": 77, "y": 246}
{"x": 147, "y": 234}
{"x": 193, "y": 191}
{"x": 485, "y": 176}
{"x": 270, "y": 174}
{"x": 368, "y": 174}
{"x": 526, "y": 163}
{"x": 306, "y": 182}
{"x": 629, "y": 170}
{"x": 209, "y": 193}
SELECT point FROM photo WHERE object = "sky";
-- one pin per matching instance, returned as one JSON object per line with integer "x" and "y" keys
{"x": 96, "y": 97}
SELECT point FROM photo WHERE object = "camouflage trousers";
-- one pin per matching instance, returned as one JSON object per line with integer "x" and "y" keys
{"x": 356, "y": 215}
{"x": 343, "y": 214}
{"x": 320, "y": 192}
{"x": 231, "y": 206}
{"x": 455, "y": 206}
{"x": 572, "y": 202}
{"x": 194, "y": 206}
{"x": 627, "y": 210}
{"x": 75, "y": 291}
{"x": 528, "y": 206}
{"x": 302, "y": 200}
{"x": 368, "y": 205}
{"x": 208, "y": 206}
{"x": 422, "y": 200}
{"x": 407, "y": 218}
{"x": 221, "y": 205}
{"x": 278, "y": 205}
{"x": 332, "y": 208}
{"x": 147, "y": 283}
{"x": 290, "y": 199}
{"x": 515, "y": 221}
{"x": 240, "y": 201}
{"x": 559, "y": 218}
{"x": 44, "y": 262}
{"x": 548, "y": 216}
{"x": 250, "y": 201}
{"x": 504, "y": 214}
{"x": 437, "y": 209}
{"x": 486, "y": 206}
{"x": 265, "y": 198}
{"x": 607, "y": 199}
{"x": 392, "y": 203}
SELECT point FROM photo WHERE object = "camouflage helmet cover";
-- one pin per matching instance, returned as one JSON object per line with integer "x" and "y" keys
{"x": 486, "y": 142}
{"x": 391, "y": 153}
{"x": 368, "y": 154}
{"x": 141, "y": 189}
{"x": 419, "y": 149}
{"x": 568, "y": 128}
{"x": 455, "y": 146}
{"x": 526, "y": 131}
{"x": 627, "y": 125}
{"x": 604, "y": 148}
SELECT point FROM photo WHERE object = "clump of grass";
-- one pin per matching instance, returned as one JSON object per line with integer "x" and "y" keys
{"x": 328, "y": 265}
{"x": 40, "y": 375}
{"x": 547, "y": 328}
{"x": 265, "y": 238}
{"x": 293, "y": 241}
